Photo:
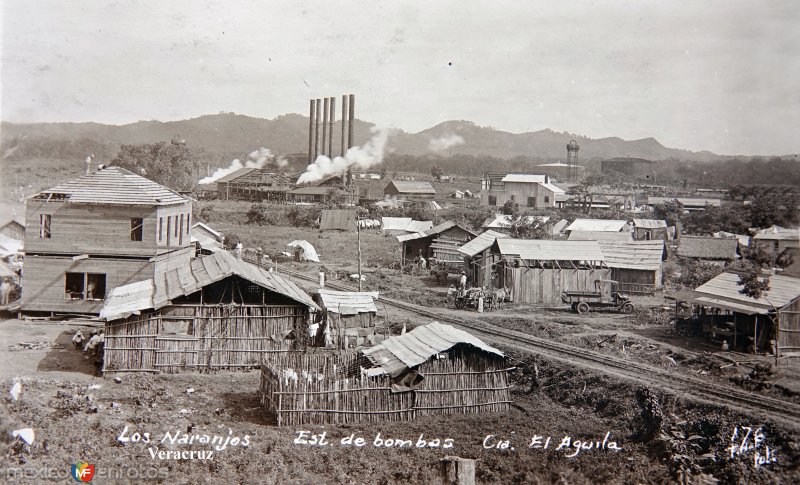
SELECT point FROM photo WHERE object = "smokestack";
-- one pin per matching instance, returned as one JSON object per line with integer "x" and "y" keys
{"x": 344, "y": 123}
{"x": 325, "y": 103}
{"x": 311, "y": 120}
{"x": 316, "y": 129}
{"x": 351, "y": 115}
{"x": 330, "y": 126}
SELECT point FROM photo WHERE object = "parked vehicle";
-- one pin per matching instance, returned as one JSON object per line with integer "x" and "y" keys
{"x": 583, "y": 301}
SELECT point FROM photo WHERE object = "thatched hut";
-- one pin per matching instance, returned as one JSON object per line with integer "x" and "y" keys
{"x": 433, "y": 369}
{"x": 217, "y": 313}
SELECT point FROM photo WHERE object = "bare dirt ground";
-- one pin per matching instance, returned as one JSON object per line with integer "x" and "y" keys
{"x": 77, "y": 416}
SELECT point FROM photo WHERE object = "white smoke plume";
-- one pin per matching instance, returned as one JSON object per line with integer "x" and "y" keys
{"x": 257, "y": 159}
{"x": 444, "y": 142}
{"x": 363, "y": 157}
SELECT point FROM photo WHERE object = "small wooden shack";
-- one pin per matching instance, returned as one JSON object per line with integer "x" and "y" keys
{"x": 217, "y": 313}
{"x": 714, "y": 250}
{"x": 480, "y": 261}
{"x": 337, "y": 220}
{"x": 637, "y": 266}
{"x": 410, "y": 190}
{"x": 13, "y": 228}
{"x": 433, "y": 369}
{"x": 347, "y": 318}
{"x": 537, "y": 271}
{"x": 748, "y": 324}
{"x": 440, "y": 242}
{"x": 649, "y": 229}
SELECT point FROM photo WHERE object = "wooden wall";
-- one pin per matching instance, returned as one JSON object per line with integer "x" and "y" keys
{"x": 173, "y": 241}
{"x": 14, "y": 230}
{"x": 479, "y": 269}
{"x": 44, "y": 281}
{"x": 216, "y": 337}
{"x": 636, "y": 276}
{"x": 544, "y": 286}
{"x": 789, "y": 333}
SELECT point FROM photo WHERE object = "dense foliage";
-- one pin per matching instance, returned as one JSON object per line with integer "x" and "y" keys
{"x": 169, "y": 164}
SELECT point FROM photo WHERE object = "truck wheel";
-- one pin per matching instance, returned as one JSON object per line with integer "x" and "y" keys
{"x": 582, "y": 308}
{"x": 627, "y": 308}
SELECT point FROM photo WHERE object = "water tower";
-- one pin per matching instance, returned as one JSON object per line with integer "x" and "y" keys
{"x": 572, "y": 160}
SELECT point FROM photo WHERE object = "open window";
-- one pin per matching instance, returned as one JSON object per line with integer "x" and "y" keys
{"x": 73, "y": 289}
{"x": 85, "y": 286}
{"x": 136, "y": 228}
{"x": 44, "y": 226}
{"x": 95, "y": 286}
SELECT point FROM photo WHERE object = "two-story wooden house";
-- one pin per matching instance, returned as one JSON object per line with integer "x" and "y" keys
{"x": 103, "y": 230}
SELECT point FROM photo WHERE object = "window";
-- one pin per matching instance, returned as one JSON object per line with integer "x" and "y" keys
{"x": 180, "y": 232}
{"x": 188, "y": 222}
{"x": 176, "y": 225}
{"x": 492, "y": 200}
{"x": 160, "y": 229}
{"x": 546, "y": 199}
{"x": 136, "y": 228}
{"x": 531, "y": 201}
{"x": 44, "y": 226}
{"x": 169, "y": 223}
{"x": 85, "y": 286}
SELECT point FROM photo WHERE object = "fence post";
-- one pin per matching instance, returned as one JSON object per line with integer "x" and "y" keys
{"x": 458, "y": 471}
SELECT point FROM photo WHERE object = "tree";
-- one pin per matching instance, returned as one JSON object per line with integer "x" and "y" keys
{"x": 437, "y": 172}
{"x": 670, "y": 211}
{"x": 173, "y": 166}
{"x": 753, "y": 283}
{"x": 774, "y": 208}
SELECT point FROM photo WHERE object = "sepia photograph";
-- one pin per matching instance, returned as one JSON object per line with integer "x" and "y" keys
{"x": 361, "y": 242}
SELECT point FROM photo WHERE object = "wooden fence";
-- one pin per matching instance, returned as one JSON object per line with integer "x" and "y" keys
{"x": 306, "y": 389}
{"x": 544, "y": 286}
{"x": 195, "y": 337}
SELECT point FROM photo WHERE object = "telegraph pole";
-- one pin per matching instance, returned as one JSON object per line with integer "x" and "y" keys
{"x": 358, "y": 231}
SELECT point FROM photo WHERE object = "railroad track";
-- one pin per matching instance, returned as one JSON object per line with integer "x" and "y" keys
{"x": 673, "y": 382}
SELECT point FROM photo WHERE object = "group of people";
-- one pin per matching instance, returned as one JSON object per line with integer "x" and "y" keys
{"x": 459, "y": 292}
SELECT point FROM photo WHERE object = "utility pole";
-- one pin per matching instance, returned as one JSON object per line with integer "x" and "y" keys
{"x": 358, "y": 231}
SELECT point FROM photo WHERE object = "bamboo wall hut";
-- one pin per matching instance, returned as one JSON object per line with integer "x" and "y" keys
{"x": 636, "y": 265}
{"x": 216, "y": 313}
{"x": 433, "y": 369}
{"x": 537, "y": 271}
{"x": 348, "y": 318}
{"x": 753, "y": 324}
{"x": 440, "y": 242}
{"x": 480, "y": 261}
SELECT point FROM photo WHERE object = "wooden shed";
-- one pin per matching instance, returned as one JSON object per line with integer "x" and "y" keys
{"x": 337, "y": 220}
{"x": 217, "y": 313}
{"x": 637, "y": 266}
{"x": 537, "y": 271}
{"x": 440, "y": 242}
{"x": 433, "y": 369}
{"x": 649, "y": 229}
{"x": 13, "y": 228}
{"x": 753, "y": 324}
{"x": 410, "y": 190}
{"x": 480, "y": 261}
{"x": 715, "y": 250}
{"x": 348, "y": 318}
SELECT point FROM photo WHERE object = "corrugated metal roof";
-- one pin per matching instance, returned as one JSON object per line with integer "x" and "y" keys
{"x": 685, "y": 201}
{"x": 599, "y": 236}
{"x": 113, "y": 185}
{"x": 551, "y": 250}
{"x": 560, "y": 226}
{"x": 526, "y": 178}
{"x": 599, "y": 225}
{"x": 399, "y": 353}
{"x": 431, "y": 232}
{"x": 337, "y": 220}
{"x": 5, "y": 270}
{"x": 713, "y": 248}
{"x": 778, "y": 233}
{"x": 644, "y": 255}
{"x": 481, "y": 243}
{"x": 725, "y": 287}
{"x": 404, "y": 224}
{"x": 348, "y": 302}
{"x": 649, "y": 223}
{"x": 235, "y": 175}
{"x": 412, "y": 187}
{"x": 9, "y": 246}
{"x": 167, "y": 285}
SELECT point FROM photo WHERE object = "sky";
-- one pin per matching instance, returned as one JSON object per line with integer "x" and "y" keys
{"x": 718, "y": 75}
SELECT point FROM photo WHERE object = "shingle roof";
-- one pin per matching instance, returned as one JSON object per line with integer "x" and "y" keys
{"x": 412, "y": 187}
{"x": 644, "y": 255}
{"x": 432, "y": 231}
{"x": 607, "y": 225}
{"x": 713, "y": 248}
{"x": 348, "y": 302}
{"x": 551, "y": 249}
{"x": 113, "y": 185}
{"x": 397, "y": 354}
{"x": 649, "y": 223}
{"x": 237, "y": 174}
{"x": 166, "y": 285}
{"x": 724, "y": 289}
{"x": 481, "y": 243}
{"x": 778, "y": 233}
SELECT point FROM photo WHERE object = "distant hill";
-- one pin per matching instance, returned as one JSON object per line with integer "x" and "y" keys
{"x": 232, "y": 133}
